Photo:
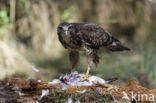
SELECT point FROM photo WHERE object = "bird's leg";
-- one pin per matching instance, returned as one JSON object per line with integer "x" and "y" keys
{"x": 88, "y": 69}
{"x": 86, "y": 76}
{"x": 92, "y": 59}
{"x": 74, "y": 59}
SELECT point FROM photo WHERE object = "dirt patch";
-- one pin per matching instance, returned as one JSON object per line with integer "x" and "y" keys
{"x": 7, "y": 95}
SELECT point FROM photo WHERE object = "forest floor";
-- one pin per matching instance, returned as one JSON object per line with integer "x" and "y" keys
{"x": 7, "y": 95}
{"x": 17, "y": 90}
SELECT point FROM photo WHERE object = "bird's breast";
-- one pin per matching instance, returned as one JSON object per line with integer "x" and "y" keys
{"x": 72, "y": 43}
{"x": 66, "y": 38}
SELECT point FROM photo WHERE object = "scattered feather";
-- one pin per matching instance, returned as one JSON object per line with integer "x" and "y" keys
{"x": 38, "y": 80}
{"x": 77, "y": 101}
{"x": 35, "y": 69}
{"x": 55, "y": 81}
{"x": 69, "y": 100}
{"x": 81, "y": 92}
{"x": 45, "y": 93}
{"x": 37, "y": 102}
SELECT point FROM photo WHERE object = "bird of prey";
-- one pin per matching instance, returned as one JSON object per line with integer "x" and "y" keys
{"x": 86, "y": 37}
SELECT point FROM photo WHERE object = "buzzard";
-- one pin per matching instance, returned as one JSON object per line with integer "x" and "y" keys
{"x": 86, "y": 37}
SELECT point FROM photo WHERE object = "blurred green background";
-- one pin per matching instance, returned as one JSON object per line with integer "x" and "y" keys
{"x": 28, "y": 37}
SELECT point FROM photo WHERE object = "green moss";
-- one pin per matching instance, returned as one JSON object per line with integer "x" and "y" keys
{"x": 88, "y": 97}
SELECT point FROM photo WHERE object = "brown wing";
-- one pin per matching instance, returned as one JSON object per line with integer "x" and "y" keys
{"x": 94, "y": 35}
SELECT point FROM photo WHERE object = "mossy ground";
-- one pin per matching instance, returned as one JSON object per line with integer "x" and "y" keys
{"x": 87, "y": 97}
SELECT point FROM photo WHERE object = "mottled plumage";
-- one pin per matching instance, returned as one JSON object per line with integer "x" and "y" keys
{"x": 86, "y": 37}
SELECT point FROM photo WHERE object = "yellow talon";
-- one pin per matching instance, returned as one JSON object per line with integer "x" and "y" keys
{"x": 86, "y": 77}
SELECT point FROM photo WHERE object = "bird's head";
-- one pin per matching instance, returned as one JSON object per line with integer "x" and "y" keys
{"x": 64, "y": 28}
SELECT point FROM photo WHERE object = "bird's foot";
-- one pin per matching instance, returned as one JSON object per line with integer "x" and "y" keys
{"x": 85, "y": 77}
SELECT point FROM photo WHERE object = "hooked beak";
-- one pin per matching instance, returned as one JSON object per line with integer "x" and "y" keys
{"x": 65, "y": 28}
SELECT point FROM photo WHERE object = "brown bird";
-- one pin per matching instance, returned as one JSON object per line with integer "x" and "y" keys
{"x": 86, "y": 37}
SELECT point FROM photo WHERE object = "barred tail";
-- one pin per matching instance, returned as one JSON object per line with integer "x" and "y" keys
{"x": 116, "y": 46}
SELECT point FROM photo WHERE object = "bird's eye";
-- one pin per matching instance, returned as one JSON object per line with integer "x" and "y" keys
{"x": 60, "y": 28}
{"x": 70, "y": 27}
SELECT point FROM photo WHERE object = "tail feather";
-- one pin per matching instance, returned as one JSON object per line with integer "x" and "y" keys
{"x": 117, "y": 47}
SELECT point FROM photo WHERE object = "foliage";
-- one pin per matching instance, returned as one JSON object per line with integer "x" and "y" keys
{"x": 4, "y": 19}
{"x": 68, "y": 14}
{"x": 24, "y": 5}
